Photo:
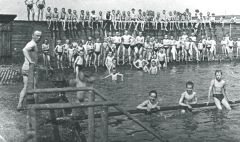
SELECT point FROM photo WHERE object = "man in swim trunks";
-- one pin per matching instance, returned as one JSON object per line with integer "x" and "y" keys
{"x": 30, "y": 54}
{"x": 188, "y": 97}
{"x": 218, "y": 90}
{"x": 30, "y": 8}
{"x": 40, "y": 4}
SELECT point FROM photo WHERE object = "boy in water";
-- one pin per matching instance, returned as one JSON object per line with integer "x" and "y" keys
{"x": 188, "y": 97}
{"x": 109, "y": 62}
{"x": 151, "y": 103}
{"x": 218, "y": 90}
{"x": 114, "y": 75}
{"x": 153, "y": 68}
{"x": 139, "y": 63}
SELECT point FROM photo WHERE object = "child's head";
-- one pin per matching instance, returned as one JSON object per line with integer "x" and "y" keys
{"x": 238, "y": 38}
{"x": 46, "y": 41}
{"x": 67, "y": 41}
{"x": 82, "y": 11}
{"x": 63, "y": 9}
{"x": 114, "y": 70}
{"x": 140, "y": 33}
{"x": 69, "y": 10}
{"x": 114, "y": 60}
{"x": 189, "y": 87}
{"x": 165, "y": 36}
{"x": 58, "y": 42}
{"x": 110, "y": 54}
{"x": 89, "y": 38}
{"x": 74, "y": 11}
{"x": 98, "y": 39}
{"x": 49, "y": 9}
{"x": 81, "y": 52}
{"x": 153, "y": 63}
{"x": 152, "y": 95}
{"x": 218, "y": 75}
{"x": 55, "y": 9}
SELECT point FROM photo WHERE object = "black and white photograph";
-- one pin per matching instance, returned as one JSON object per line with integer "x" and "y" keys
{"x": 119, "y": 71}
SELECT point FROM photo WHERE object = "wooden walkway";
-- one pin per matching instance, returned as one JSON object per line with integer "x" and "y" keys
{"x": 7, "y": 76}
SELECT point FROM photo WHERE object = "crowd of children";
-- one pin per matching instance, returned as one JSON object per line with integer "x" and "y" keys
{"x": 142, "y": 52}
{"x": 117, "y": 20}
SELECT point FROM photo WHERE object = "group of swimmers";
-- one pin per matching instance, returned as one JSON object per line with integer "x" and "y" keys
{"x": 217, "y": 90}
{"x": 142, "y": 52}
{"x": 138, "y": 20}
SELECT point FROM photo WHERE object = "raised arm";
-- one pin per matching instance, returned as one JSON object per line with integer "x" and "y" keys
{"x": 120, "y": 75}
{"x": 135, "y": 64}
{"x": 107, "y": 76}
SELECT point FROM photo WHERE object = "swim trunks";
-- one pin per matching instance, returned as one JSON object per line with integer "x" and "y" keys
{"x": 218, "y": 96}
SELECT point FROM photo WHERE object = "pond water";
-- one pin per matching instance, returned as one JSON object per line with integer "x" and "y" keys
{"x": 203, "y": 125}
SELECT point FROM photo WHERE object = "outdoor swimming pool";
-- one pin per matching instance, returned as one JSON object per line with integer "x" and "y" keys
{"x": 203, "y": 125}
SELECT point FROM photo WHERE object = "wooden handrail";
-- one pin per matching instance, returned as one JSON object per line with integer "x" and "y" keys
{"x": 56, "y": 90}
{"x": 159, "y": 137}
{"x": 70, "y": 105}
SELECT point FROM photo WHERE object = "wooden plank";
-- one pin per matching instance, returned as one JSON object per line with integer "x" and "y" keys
{"x": 91, "y": 120}
{"x": 104, "y": 130}
{"x": 158, "y": 136}
{"x": 56, "y": 135}
{"x": 56, "y": 90}
{"x": 70, "y": 105}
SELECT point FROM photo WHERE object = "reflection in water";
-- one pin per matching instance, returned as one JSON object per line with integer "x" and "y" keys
{"x": 207, "y": 125}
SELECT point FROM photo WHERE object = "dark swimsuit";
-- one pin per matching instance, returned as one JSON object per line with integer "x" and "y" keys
{"x": 162, "y": 62}
{"x": 30, "y": 6}
{"x": 218, "y": 96}
{"x": 126, "y": 45}
{"x": 40, "y": 6}
{"x": 97, "y": 53}
{"x": 117, "y": 45}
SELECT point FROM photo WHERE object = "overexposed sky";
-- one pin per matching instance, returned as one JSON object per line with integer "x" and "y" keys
{"x": 219, "y": 7}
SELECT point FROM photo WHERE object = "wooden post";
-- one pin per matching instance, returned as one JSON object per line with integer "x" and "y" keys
{"x": 56, "y": 136}
{"x": 32, "y": 125}
{"x": 91, "y": 122}
{"x": 104, "y": 115}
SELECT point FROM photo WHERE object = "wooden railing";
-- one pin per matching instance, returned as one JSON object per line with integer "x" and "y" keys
{"x": 33, "y": 110}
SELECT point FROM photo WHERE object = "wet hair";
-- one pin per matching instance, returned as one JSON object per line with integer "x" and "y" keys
{"x": 218, "y": 71}
{"x": 153, "y": 91}
{"x": 190, "y": 83}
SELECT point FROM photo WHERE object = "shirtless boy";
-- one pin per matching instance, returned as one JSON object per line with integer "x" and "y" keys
{"x": 114, "y": 75}
{"x": 151, "y": 103}
{"x": 29, "y": 4}
{"x": 218, "y": 90}
{"x": 188, "y": 97}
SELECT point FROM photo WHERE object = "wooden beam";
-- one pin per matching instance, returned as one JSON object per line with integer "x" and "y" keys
{"x": 158, "y": 136}
{"x": 91, "y": 121}
{"x": 70, "y": 105}
{"x": 56, "y": 136}
{"x": 104, "y": 115}
{"x": 56, "y": 90}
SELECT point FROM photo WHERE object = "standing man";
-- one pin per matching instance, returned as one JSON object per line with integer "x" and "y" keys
{"x": 30, "y": 57}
